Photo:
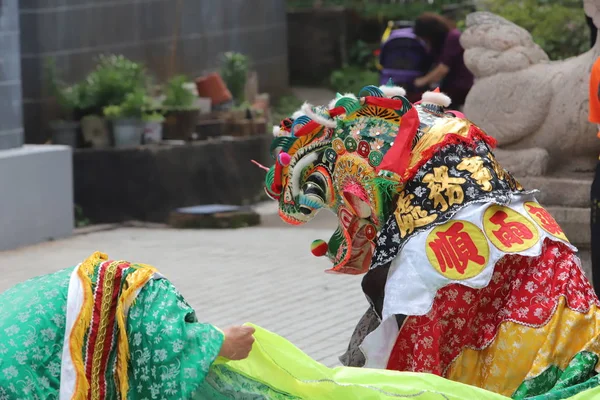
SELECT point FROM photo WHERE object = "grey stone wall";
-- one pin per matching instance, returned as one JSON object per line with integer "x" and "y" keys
{"x": 11, "y": 122}
{"x": 197, "y": 32}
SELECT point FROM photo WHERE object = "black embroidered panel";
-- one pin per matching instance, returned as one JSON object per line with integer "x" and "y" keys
{"x": 456, "y": 176}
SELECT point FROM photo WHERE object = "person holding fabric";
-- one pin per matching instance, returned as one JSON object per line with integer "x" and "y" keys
{"x": 443, "y": 41}
{"x": 117, "y": 330}
{"x": 115, "y": 312}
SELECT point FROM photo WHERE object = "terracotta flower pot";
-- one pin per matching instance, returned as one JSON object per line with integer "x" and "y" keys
{"x": 213, "y": 87}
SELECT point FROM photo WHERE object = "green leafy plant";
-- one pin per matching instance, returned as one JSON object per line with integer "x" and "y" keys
{"x": 81, "y": 220}
{"x": 153, "y": 117}
{"x": 113, "y": 112}
{"x": 361, "y": 55}
{"x": 114, "y": 78}
{"x": 234, "y": 71}
{"x": 559, "y": 27}
{"x": 70, "y": 99}
{"x": 352, "y": 79}
{"x": 134, "y": 106}
{"x": 177, "y": 96}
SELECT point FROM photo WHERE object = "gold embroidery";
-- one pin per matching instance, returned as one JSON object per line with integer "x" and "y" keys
{"x": 82, "y": 323}
{"x": 445, "y": 191}
{"x": 436, "y": 134}
{"x": 504, "y": 175}
{"x": 411, "y": 217}
{"x": 104, "y": 317}
{"x": 478, "y": 171}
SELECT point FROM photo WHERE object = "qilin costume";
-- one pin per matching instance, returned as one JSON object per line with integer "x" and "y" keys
{"x": 465, "y": 271}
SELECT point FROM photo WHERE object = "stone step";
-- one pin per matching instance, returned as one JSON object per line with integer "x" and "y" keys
{"x": 560, "y": 191}
{"x": 575, "y": 222}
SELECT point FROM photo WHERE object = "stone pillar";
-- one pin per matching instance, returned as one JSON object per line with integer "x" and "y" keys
{"x": 11, "y": 120}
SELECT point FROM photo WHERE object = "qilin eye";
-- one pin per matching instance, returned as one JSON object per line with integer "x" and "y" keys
{"x": 305, "y": 210}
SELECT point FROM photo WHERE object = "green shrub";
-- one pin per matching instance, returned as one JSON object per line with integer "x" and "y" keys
{"x": 177, "y": 96}
{"x": 351, "y": 79}
{"x": 114, "y": 78}
{"x": 559, "y": 27}
{"x": 234, "y": 71}
{"x": 361, "y": 55}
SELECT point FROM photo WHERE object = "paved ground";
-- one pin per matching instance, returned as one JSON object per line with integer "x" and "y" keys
{"x": 265, "y": 275}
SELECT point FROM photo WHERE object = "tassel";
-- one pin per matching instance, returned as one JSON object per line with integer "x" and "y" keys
{"x": 398, "y": 157}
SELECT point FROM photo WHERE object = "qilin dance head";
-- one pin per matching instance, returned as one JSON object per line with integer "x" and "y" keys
{"x": 355, "y": 157}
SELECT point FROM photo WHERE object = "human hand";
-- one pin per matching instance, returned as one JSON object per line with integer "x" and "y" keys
{"x": 238, "y": 342}
{"x": 420, "y": 82}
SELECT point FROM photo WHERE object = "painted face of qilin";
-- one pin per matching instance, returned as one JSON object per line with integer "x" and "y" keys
{"x": 328, "y": 157}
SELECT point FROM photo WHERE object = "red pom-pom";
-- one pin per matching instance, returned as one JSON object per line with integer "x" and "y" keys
{"x": 319, "y": 248}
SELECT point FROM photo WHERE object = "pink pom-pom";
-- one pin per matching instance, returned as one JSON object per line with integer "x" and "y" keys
{"x": 284, "y": 159}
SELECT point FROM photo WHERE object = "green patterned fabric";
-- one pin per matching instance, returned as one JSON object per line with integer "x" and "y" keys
{"x": 171, "y": 353}
{"x": 554, "y": 384}
{"x": 225, "y": 384}
{"x": 32, "y": 322}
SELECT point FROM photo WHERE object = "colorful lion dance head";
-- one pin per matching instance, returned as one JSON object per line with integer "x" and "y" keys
{"x": 387, "y": 168}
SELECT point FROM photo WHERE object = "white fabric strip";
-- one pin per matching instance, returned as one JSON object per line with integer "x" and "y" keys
{"x": 378, "y": 345}
{"x": 68, "y": 376}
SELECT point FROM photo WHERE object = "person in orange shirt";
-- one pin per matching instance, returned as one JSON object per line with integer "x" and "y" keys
{"x": 594, "y": 117}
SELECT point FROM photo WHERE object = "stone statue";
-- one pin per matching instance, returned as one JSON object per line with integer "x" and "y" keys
{"x": 534, "y": 107}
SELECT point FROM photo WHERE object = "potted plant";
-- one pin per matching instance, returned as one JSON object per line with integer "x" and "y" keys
{"x": 64, "y": 129}
{"x": 234, "y": 71}
{"x": 181, "y": 112}
{"x": 112, "y": 80}
{"x": 127, "y": 119}
{"x": 153, "y": 127}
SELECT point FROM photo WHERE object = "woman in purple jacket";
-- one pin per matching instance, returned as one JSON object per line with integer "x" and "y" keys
{"x": 443, "y": 41}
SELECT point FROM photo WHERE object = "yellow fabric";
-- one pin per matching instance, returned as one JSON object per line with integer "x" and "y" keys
{"x": 134, "y": 282}
{"x": 504, "y": 365}
{"x": 82, "y": 324}
{"x": 276, "y": 362}
{"x": 387, "y": 32}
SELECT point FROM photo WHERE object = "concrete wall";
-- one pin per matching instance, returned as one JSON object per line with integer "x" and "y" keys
{"x": 11, "y": 125}
{"x": 75, "y": 31}
{"x": 36, "y": 198}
